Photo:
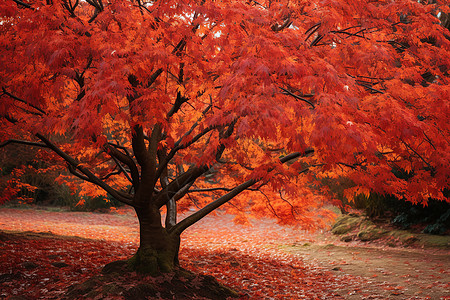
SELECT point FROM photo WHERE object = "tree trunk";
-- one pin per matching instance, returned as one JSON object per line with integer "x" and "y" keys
{"x": 158, "y": 250}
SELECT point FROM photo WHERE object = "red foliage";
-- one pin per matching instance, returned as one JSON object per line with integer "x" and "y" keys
{"x": 363, "y": 85}
{"x": 244, "y": 105}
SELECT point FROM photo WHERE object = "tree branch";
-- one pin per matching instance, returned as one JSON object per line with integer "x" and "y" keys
{"x": 127, "y": 160}
{"x": 74, "y": 171}
{"x": 287, "y": 92}
{"x": 216, "y": 189}
{"x": 150, "y": 171}
{"x": 198, "y": 215}
{"x": 293, "y": 212}
{"x": 294, "y": 155}
{"x": 154, "y": 76}
{"x": 177, "y": 105}
{"x": 432, "y": 169}
{"x": 98, "y": 5}
{"x": 178, "y": 147}
{"x": 113, "y": 173}
{"x": 178, "y": 183}
{"x": 91, "y": 177}
{"x": 42, "y": 112}
{"x": 369, "y": 87}
{"x": 23, "y": 4}
{"x": 28, "y": 143}
{"x": 122, "y": 170}
{"x": 138, "y": 144}
{"x": 171, "y": 217}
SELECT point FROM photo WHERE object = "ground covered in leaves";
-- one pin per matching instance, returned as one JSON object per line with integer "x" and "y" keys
{"x": 264, "y": 261}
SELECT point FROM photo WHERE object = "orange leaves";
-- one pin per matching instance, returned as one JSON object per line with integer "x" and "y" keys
{"x": 353, "y": 192}
{"x": 347, "y": 79}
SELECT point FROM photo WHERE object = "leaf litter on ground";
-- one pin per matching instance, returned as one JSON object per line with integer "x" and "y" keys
{"x": 248, "y": 259}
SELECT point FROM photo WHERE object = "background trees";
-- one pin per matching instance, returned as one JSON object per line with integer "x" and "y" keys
{"x": 196, "y": 103}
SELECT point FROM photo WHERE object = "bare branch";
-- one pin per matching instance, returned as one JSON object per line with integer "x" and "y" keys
{"x": 316, "y": 41}
{"x": 293, "y": 212}
{"x": 154, "y": 76}
{"x": 28, "y": 143}
{"x": 70, "y": 7}
{"x": 419, "y": 156}
{"x": 112, "y": 174}
{"x": 122, "y": 170}
{"x": 312, "y": 30}
{"x": 269, "y": 204}
{"x": 287, "y": 92}
{"x": 23, "y": 4}
{"x": 126, "y": 159}
{"x": 429, "y": 140}
{"x": 178, "y": 147}
{"x": 98, "y": 5}
{"x": 369, "y": 87}
{"x": 294, "y": 155}
{"x": 206, "y": 190}
{"x": 287, "y": 22}
{"x": 42, "y": 112}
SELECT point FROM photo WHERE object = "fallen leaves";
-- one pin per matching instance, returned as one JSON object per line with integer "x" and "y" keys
{"x": 248, "y": 259}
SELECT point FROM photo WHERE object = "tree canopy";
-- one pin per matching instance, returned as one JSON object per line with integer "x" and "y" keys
{"x": 183, "y": 104}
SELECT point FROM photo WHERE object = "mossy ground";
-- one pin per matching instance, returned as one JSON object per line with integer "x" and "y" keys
{"x": 357, "y": 227}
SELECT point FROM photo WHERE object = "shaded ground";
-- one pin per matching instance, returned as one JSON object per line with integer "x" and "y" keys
{"x": 265, "y": 261}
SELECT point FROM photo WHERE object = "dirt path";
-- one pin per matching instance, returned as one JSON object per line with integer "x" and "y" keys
{"x": 414, "y": 273}
{"x": 378, "y": 272}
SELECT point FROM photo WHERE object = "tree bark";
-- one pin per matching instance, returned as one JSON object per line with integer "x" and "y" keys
{"x": 158, "y": 250}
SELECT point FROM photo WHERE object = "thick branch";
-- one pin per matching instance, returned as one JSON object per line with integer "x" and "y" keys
{"x": 75, "y": 172}
{"x": 150, "y": 171}
{"x": 224, "y": 134}
{"x": 294, "y": 155}
{"x": 197, "y": 216}
{"x": 178, "y": 183}
{"x": 206, "y": 190}
{"x": 139, "y": 148}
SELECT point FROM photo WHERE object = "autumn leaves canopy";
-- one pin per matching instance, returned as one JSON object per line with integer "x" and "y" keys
{"x": 179, "y": 102}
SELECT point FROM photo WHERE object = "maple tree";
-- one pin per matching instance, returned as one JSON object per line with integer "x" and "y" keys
{"x": 243, "y": 105}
